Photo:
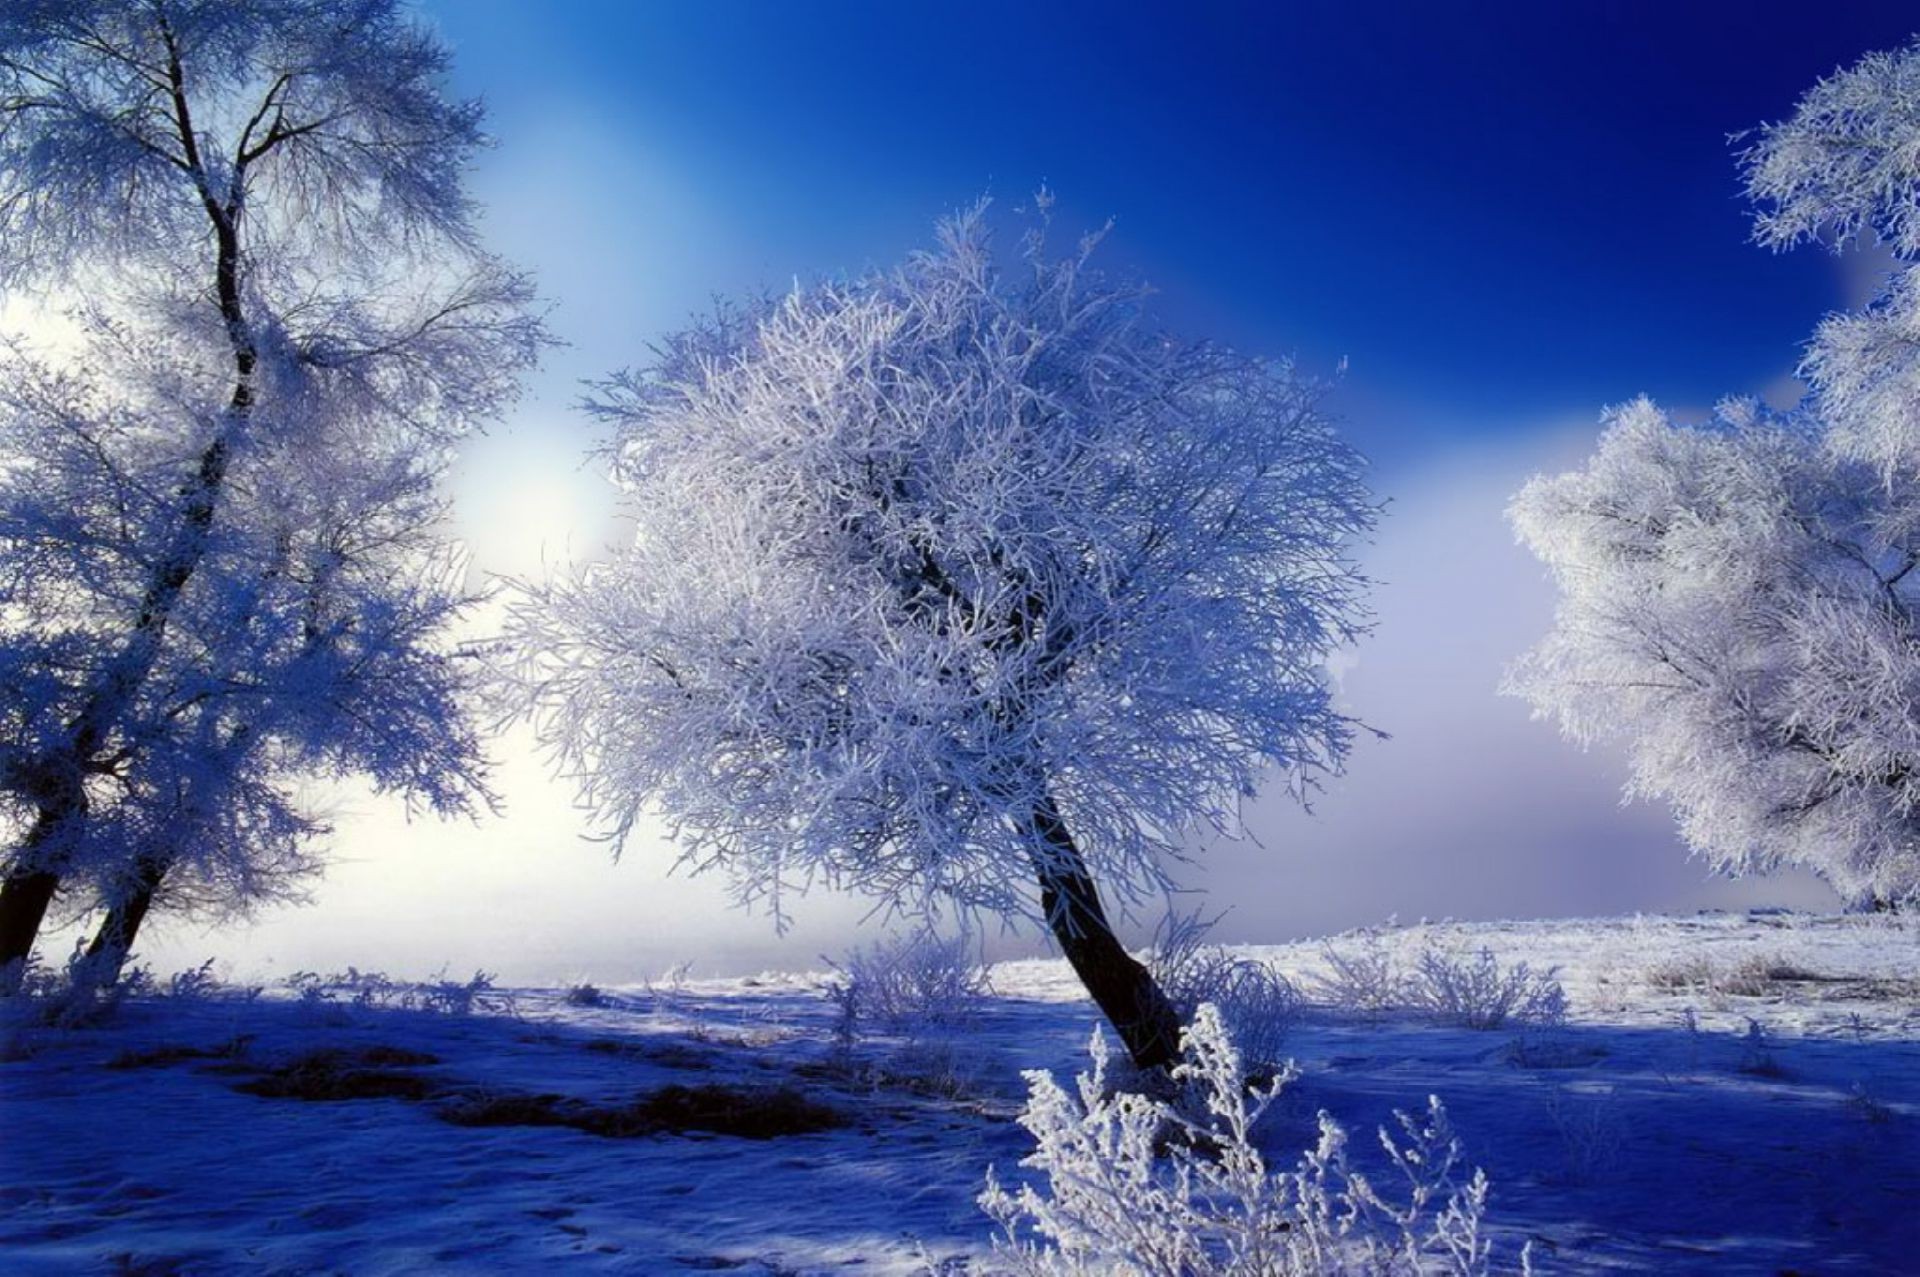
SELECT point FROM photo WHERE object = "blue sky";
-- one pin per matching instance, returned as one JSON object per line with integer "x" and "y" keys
{"x": 1494, "y": 211}
{"x": 1503, "y": 216}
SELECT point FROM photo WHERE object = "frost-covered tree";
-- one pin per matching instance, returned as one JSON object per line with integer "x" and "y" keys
{"x": 960, "y": 587}
{"x": 1845, "y": 166}
{"x": 334, "y": 661}
{"x": 254, "y": 214}
{"x": 1737, "y": 603}
{"x": 1739, "y": 600}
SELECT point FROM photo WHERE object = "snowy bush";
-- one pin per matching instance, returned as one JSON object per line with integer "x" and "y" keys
{"x": 585, "y": 994}
{"x": 1362, "y": 978}
{"x": 906, "y": 983}
{"x": 1757, "y": 975}
{"x": 1110, "y": 1203}
{"x": 461, "y": 997}
{"x": 1475, "y": 991}
{"x": 1257, "y": 1002}
{"x": 1757, "y": 1056}
{"x": 1590, "y": 1131}
{"x": 194, "y": 983}
{"x": 377, "y": 990}
{"x": 668, "y": 995}
{"x": 1479, "y": 993}
{"x": 80, "y": 993}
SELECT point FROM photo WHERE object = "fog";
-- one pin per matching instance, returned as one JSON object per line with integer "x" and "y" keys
{"x": 1471, "y": 809}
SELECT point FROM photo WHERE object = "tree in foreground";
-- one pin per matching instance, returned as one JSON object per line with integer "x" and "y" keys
{"x": 960, "y": 588}
{"x": 255, "y": 214}
{"x": 1739, "y": 600}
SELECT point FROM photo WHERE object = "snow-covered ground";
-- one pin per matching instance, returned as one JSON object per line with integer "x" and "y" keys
{"x": 1657, "y": 1131}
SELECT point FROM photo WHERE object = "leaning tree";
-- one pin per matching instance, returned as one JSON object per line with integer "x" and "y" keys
{"x": 1739, "y": 600}
{"x": 255, "y": 216}
{"x": 961, "y": 587}
{"x": 331, "y": 655}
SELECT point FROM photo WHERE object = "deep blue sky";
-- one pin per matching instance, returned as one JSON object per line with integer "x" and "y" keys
{"x": 1495, "y": 210}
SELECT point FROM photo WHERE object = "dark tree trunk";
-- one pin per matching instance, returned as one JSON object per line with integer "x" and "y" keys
{"x": 114, "y": 941}
{"x": 1123, "y": 989}
{"x": 31, "y": 884}
{"x": 24, "y": 899}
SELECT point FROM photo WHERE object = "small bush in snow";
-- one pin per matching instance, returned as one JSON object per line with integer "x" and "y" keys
{"x": 1475, "y": 991}
{"x": 1681, "y": 975}
{"x": 1258, "y": 1003}
{"x": 83, "y": 992}
{"x": 194, "y": 983}
{"x": 1862, "y": 1101}
{"x": 585, "y": 995}
{"x": 668, "y": 995}
{"x": 1365, "y": 977}
{"x": 1110, "y": 1203}
{"x": 1756, "y": 1053}
{"x": 462, "y": 997}
{"x": 377, "y": 990}
{"x": 1478, "y": 993}
{"x": 1591, "y": 1136}
{"x": 908, "y": 983}
{"x": 1757, "y": 975}
{"x": 1548, "y": 1047}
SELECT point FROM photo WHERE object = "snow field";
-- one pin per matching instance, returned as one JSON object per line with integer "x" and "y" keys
{"x": 1653, "y": 1131}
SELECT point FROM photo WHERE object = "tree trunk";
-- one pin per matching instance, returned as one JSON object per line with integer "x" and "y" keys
{"x": 24, "y": 899}
{"x": 114, "y": 941}
{"x": 32, "y": 882}
{"x": 1123, "y": 989}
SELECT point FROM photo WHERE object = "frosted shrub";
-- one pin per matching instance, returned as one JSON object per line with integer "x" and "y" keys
{"x": 906, "y": 983}
{"x": 461, "y": 997}
{"x": 1475, "y": 992}
{"x": 668, "y": 995}
{"x": 1110, "y": 1204}
{"x": 194, "y": 983}
{"x": 369, "y": 990}
{"x": 80, "y": 993}
{"x": 1365, "y": 978}
{"x": 1257, "y": 1002}
{"x": 1478, "y": 993}
{"x": 1591, "y": 1135}
{"x": 1757, "y": 975}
